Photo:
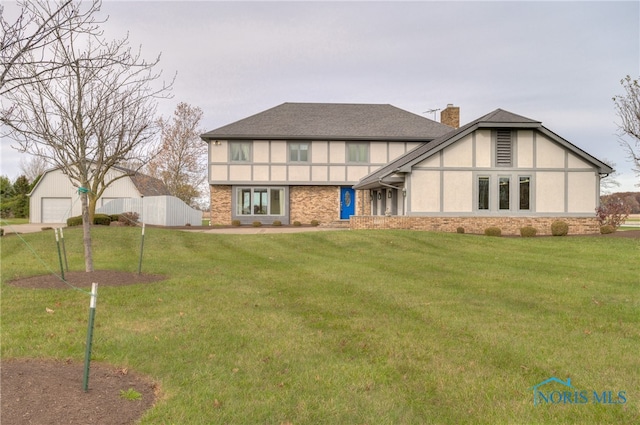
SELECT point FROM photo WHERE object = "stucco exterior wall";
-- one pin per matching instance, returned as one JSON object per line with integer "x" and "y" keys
{"x": 447, "y": 181}
{"x": 270, "y": 164}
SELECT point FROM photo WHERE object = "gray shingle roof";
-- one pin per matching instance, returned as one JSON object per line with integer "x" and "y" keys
{"x": 332, "y": 121}
{"x": 146, "y": 185}
{"x": 496, "y": 119}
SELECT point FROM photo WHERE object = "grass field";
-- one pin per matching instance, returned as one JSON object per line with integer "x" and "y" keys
{"x": 348, "y": 327}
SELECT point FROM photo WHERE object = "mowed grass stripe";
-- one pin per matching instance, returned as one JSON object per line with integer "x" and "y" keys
{"x": 379, "y": 327}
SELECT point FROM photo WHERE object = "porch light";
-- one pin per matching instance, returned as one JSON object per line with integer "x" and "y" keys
{"x": 379, "y": 195}
{"x": 389, "y": 194}
{"x": 404, "y": 191}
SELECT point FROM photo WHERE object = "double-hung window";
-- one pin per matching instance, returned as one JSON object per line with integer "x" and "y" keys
{"x": 357, "y": 152}
{"x": 299, "y": 152}
{"x": 240, "y": 151}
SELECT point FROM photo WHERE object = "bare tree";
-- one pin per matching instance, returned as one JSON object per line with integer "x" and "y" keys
{"x": 38, "y": 25}
{"x": 628, "y": 109}
{"x": 94, "y": 110}
{"x": 610, "y": 182}
{"x": 33, "y": 167}
{"x": 181, "y": 159}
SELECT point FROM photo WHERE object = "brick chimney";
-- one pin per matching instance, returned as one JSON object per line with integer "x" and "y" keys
{"x": 450, "y": 116}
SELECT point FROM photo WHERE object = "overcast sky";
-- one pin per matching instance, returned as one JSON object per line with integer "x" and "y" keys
{"x": 556, "y": 62}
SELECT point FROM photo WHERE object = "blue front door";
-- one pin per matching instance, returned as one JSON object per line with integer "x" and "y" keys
{"x": 347, "y": 202}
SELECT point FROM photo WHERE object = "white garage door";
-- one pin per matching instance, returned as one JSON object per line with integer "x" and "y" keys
{"x": 56, "y": 210}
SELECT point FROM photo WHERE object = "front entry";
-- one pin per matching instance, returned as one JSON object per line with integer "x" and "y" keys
{"x": 347, "y": 202}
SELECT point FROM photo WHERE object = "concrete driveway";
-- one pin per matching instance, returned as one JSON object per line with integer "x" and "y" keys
{"x": 29, "y": 228}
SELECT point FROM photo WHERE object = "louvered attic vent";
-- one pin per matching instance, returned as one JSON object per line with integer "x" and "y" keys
{"x": 503, "y": 148}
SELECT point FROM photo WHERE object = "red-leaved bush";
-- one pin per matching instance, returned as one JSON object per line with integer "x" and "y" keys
{"x": 612, "y": 211}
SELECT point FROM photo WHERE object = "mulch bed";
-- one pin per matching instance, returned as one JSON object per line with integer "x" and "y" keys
{"x": 84, "y": 280}
{"x": 36, "y": 391}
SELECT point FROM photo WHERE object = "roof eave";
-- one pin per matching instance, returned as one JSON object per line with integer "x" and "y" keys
{"x": 210, "y": 137}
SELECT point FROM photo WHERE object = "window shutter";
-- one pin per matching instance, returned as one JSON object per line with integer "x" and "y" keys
{"x": 503, "y": 148}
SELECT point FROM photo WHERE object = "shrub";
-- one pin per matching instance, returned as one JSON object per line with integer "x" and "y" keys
{"x": 559, "y": 228}
{"x": 315, "y": 222}
{"x": 493, "y": 231}
{"x": 528, "y": 231}
{"x": 101, "y": 219}
{"x": 235, "y": 223}
{"x": 606, "y": 229}
{"x": 1, "y": 231}
{"x": 74, "y": 221}
{"x": 115, "y": 217}
{"x": 129, "y": 218}
{"x": 297, "y": 223}
{"x": 613, "y": 211}
{"x": 460, "y": 230}
{"x": 277, "y": 223}
{"x": 256, "y": 224}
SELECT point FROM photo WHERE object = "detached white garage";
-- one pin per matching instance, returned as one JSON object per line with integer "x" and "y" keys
{"x": 54, "y": 199}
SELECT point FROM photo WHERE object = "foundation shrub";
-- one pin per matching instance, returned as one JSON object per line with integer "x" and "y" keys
{"x": 74, "y": 221}
{"x": 101, "y": 219}
{"x": 277, "y": 223}
{"x": 606, "y": 229}
{"x": 235, "y": 223}
{"x": 315, "y": 222}
{"x": 528, "y": 231}
{"x": 129, "y": 219}
{"x": 493, "y": 231}
{"x": 297, "y": 223}
{"x": 559, "y": 228}
{"x": 460, "y": 230}
{"x": 256, "y": 224}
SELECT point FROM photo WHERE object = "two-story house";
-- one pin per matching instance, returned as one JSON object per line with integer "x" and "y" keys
{"x": 300, "y": 161}
{"x": 382, "y": 167}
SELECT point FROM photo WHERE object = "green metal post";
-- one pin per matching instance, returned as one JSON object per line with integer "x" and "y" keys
{"x": 59, "y": 253}
{"x": 141, "y": 250}
{"x": 87, "y": 352}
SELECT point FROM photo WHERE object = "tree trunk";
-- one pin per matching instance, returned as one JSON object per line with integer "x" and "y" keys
{"x": 86, "y": 233}
{"x": 93, "y": 200}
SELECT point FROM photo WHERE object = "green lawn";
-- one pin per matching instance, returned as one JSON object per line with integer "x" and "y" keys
{"x": 348, "y": 327}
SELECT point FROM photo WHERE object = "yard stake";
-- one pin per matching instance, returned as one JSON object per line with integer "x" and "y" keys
{"x": 64, "y": 251}
{"x": 141, "y": 250}
{"x": 87, "y": 352}
{"x": 59, "y": 253}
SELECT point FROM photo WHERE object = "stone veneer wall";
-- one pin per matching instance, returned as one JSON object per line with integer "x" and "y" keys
{"x": 308, "y": 203}
{"x": 508, "y": 225}
{"x": 220, "y": 205}
{"x": 322, "y": 203}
